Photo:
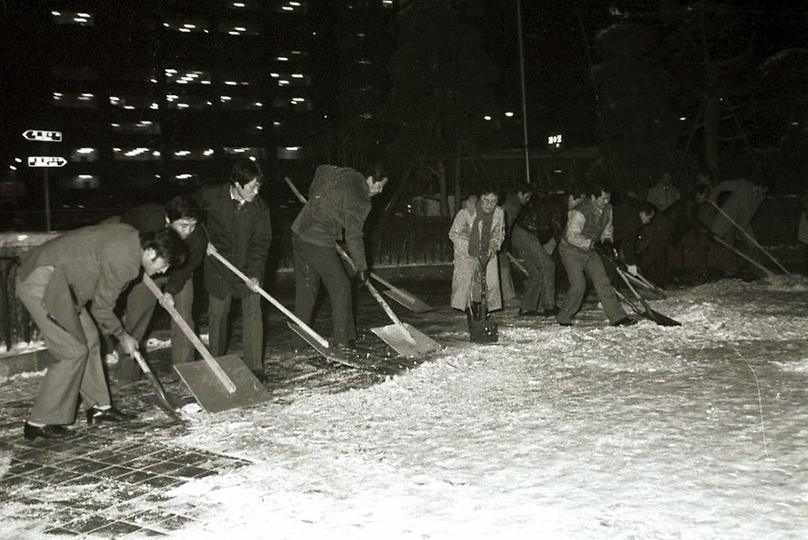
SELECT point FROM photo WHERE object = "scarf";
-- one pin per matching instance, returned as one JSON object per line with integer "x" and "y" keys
{"x": 480, "y": 232}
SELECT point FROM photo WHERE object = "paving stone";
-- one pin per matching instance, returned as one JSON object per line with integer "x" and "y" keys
{"x": 135, "y": 477}
{"x": 175, "y": 521}
{"x": 88, "y": 523}
{"x": 113, "y": 472}
{"x": 116, "y": 528}
{"x": 161, "y": 481}
{"x": 192, "y": 472}
{"x": 59, "y": 531}
{"x": 164, "y": 467}
{"x": 22, "y": 467}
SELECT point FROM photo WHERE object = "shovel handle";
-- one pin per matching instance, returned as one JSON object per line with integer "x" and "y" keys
{"x": 749, "y": 237}
{"x": 214, "y": 366}
{"x": 215, "y": 254}
{"x": 162, "y": 398}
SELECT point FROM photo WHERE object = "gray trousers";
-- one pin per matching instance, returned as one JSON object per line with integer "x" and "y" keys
{"x": 579, "y": 264}
{"x": 75, "y": 367}
{"x": 539, "y": 293}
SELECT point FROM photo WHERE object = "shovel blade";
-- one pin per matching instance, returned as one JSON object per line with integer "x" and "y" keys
{"x": 326, "y": 352}
{"x": 416, "y": 305}
{"x": 406, "y": 340}
{"x": 663, "y": 320}
{"x": 209, "y": 391}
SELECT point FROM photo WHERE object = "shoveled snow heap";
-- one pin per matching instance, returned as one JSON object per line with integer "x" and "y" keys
{"x": 697, "y": 431}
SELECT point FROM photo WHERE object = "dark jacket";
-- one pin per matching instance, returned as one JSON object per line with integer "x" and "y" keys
{"x": 90, "y": 264}
{"x": 627, "y": 227}
{"x": 151, "y": 217}
{"x": 242, "y": 235}
{"x": 339, "y": 200}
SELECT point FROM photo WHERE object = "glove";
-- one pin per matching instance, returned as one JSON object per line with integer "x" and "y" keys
{"x": 632, "y": 269}
{"x": 363, "y": 276}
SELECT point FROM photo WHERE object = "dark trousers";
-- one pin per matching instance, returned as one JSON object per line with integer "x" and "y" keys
{"x": 252, "y": 337}
{"x": 539, "y": 290}
{"x": 317, "y": 264}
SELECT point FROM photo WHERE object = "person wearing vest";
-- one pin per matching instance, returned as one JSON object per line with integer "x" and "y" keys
{"x": 338, "y": 204}
{"x": 238, "y": 224}
{"x": 69, "y": 285}
{"x": 589, "y": 223}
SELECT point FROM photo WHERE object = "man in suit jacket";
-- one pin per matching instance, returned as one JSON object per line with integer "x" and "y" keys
{"x": 181, "y": 213}
{"x": 56, "y": 281}
{"x": 239, "y": 227}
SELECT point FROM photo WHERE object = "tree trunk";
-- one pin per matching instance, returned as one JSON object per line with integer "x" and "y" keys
{"x": 444, "y": 189}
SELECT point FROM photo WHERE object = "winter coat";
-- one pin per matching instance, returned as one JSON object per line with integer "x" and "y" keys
{"x": 90, "y": 265}
{"x": 742, "y": 204}
{"x": 151, "y": 217}
{"x": 465, "y": 265}
{"x": 662, "y": 196}
{"x": 339, "y": 200}
{"x": 240, "y": 235}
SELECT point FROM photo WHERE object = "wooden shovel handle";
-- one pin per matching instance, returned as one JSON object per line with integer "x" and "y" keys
{"x": 193, "y": 338}
{"x": 215, "y": 254}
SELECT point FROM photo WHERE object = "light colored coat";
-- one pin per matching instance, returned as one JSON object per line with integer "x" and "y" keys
{"x": 465, "y": 265}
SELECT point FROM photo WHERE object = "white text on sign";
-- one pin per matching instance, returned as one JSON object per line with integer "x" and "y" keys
{"x": 46, "y": 161}
{"x": 42, "y": 135}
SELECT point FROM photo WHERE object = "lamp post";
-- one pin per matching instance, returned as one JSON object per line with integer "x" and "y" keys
{"x": 524, "y": 96}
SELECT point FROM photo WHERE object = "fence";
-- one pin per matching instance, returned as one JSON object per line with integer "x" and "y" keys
{"x": 402, "y": 241}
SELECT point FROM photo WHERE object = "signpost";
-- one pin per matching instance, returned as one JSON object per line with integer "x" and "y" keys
{"x": 45, "y": 162}
{"x": 41, "y": 135}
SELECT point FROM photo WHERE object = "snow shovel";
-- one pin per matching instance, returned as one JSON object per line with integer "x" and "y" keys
{"x": 482, "y": 328}
{"x": 657, "y": 317}
{"x": 517, "y": 263}
{"x": 414, "y": 304}
{"x": 749, "y": 237}
{"x": 319, "y": 343}
{"x": 740, "y": 253}
{"x": 217, "y": 384}
{"x": 401, "y": 337}
{"x": 166, "y": 403}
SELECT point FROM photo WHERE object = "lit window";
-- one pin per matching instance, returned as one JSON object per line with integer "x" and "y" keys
{"x": 187, "y": 26}
{"x": 192, "y": 154}
{"x": 138, "y": 153}
{"x": 290, "y": 6}
{"x": 80, "y": 18}
{"x": 84, "y": 154}
{"x": 78, "y": 101}
{"x": 187, "y": 76}
{"x": 289, "y": 152}
{"x": 240, "y": 28}
{"x": 245, "y": 151}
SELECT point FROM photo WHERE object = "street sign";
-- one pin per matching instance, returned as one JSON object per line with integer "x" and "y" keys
{"x": 41, "y": 135}
{"x": 46, "y": 161}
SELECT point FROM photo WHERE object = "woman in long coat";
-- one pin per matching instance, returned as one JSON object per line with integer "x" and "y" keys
{"x": 477, "y": 233}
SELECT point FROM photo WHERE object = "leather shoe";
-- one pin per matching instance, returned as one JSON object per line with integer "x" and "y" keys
{"x": 347, "y": 346}
{"x": 260, "y": 375}
{"x": 528, "y": 313}
{"x": 625, "y": 321}
{"x": 96, "y": 415}
{"x": 48, "y": 431}
{"x": 564, "y": 323}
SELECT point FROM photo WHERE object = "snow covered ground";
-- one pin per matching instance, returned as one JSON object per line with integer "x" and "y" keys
{"x": 699, "y": 431}
{"x": 590, "y": 431}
